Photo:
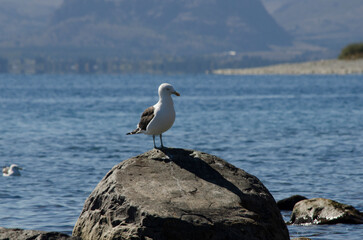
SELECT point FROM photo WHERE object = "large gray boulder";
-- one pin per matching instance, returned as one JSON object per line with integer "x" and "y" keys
{"x": 180, "y": 194}
{"x": 324, "y": 211}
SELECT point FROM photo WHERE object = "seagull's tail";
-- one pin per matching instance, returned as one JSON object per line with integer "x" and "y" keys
{"x": 136, "y": 131}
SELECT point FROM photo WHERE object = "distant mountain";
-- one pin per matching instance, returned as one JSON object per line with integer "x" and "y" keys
{"x": 327, "y": 23}
{"x": 161, "y": 26}
{"x": 271, "y": 29}
{"x": 20, "y": 19}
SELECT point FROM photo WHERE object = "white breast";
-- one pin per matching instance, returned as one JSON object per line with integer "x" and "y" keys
{"x": 163, "y": 119}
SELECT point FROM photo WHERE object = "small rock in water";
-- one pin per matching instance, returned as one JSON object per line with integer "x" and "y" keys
{"x": 324, "y": 211}
{"x": 180, "y": 194}
{"x": 289, "y": 203}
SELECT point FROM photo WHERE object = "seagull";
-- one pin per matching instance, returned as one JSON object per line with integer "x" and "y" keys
{"x": 13, "y": 170}
{"x": 159, "y": 118}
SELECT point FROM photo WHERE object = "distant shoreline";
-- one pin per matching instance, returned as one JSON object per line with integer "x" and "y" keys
{"x": 339, "y": 67}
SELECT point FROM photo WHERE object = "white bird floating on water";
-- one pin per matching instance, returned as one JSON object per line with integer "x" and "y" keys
{"x": 157, "y": 119}
{"x": 13, "y": 170}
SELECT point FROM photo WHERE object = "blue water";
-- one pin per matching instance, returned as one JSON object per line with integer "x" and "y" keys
{"x": 297, "y": 134}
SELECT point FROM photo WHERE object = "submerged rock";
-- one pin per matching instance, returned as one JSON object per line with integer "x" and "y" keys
{"x": 324, "y": 211}
{"x": 21, "y": 234}
{"x": 289, "y": 203}
{"x": 180, "y": 194}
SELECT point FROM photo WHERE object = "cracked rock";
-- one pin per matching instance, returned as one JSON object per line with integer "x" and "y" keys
{"x": 179, "y": 194}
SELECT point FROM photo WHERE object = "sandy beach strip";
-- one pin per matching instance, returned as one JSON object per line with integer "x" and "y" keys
{"x": 340, "y": 67}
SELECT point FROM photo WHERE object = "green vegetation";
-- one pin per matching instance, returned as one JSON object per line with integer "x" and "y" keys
{"x": 352, "y": 51}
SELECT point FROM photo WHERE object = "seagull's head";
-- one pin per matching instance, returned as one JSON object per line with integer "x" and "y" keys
{"x": 167, "y": 89}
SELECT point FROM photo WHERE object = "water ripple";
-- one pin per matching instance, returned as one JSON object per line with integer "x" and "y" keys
{"x": 297, "y": 134}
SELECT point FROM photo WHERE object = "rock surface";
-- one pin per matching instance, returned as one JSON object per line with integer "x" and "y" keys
{"x": 317, "y": 67}
{"x": 324, "y": 211}
{"x": 289, "y": 203}
{"x": 179, "y": 194}
{"x": 20, "y": 234}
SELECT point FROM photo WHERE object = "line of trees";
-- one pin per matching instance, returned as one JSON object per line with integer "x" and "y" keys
{"x": 352, "y": 51}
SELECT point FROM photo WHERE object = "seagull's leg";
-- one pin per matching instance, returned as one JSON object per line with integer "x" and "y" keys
{"x": 154, "y": 141}
{"x": 161, "y": 141}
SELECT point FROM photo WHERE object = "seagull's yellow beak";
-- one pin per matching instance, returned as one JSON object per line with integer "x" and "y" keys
{"x": 176, "y": 93}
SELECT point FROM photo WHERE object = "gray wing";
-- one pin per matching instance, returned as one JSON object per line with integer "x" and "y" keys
{"x": 146, "y": 118}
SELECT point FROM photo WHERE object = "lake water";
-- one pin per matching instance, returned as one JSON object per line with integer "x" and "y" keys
{"x": 297, "y": 134}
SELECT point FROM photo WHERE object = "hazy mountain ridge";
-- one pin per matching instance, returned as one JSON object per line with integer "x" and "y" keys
{"x": 161, "y": 26}
{"x": 173, "y": 27}
{"x": 139, "y": 28}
